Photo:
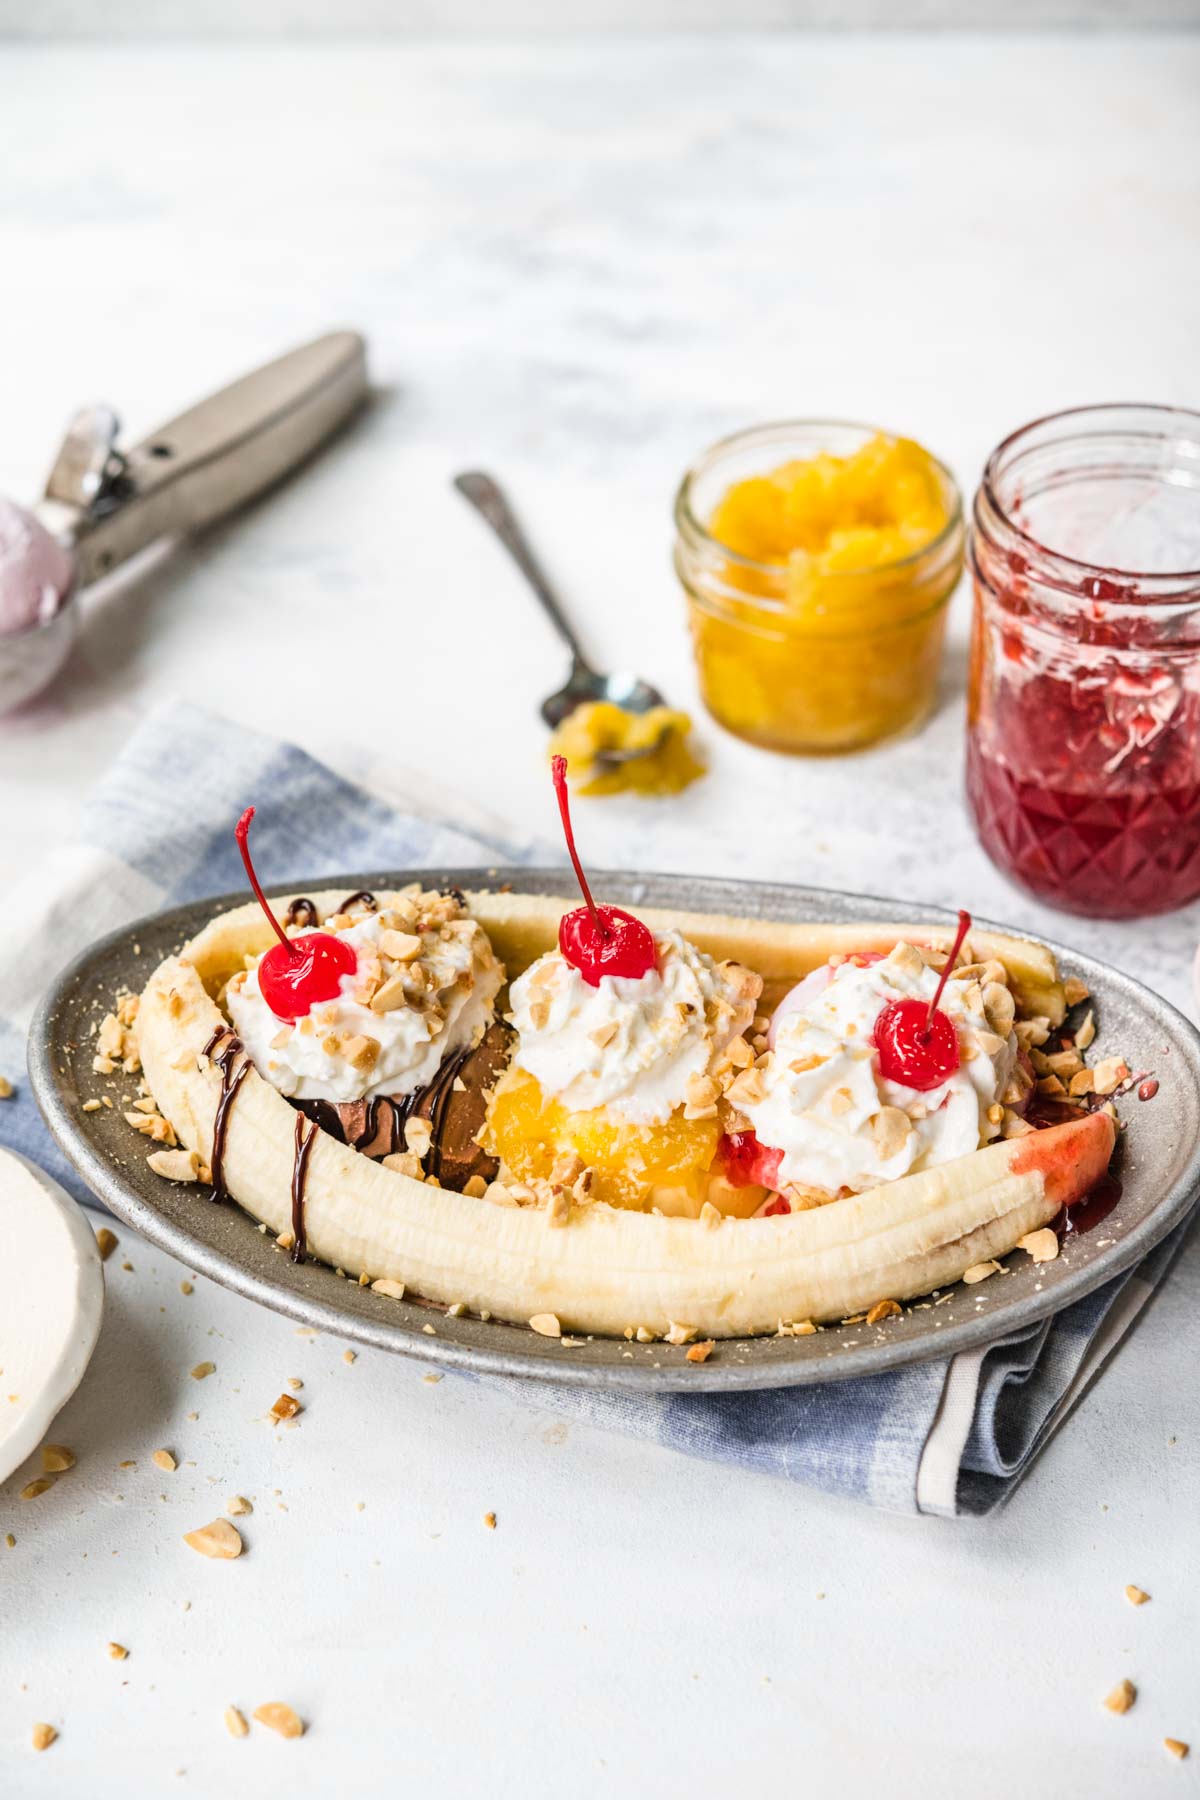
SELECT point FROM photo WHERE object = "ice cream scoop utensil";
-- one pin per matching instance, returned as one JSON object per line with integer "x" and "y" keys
{"x": 104, "y": 503}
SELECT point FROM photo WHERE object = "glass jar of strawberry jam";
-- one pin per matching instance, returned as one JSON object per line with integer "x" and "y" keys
{"x": 1083, "y": 746}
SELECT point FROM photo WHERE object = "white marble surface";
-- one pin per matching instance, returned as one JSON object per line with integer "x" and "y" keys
{"x": 576, "y": 265}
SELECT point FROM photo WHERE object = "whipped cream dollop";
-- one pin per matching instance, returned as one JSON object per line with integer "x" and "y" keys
{"x": 632, "y": 1046}
{"x": 839, "y": 1123}
{"x": 424, "y": 987}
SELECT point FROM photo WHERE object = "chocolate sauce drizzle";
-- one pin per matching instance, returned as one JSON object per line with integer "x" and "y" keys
{"x": 233, "y": 1073}
{"x": 306, "y": 1133}
{"x": 302, "y": 912}
{"x": 362, "y": 898}
{"x": 438, "y": 1095}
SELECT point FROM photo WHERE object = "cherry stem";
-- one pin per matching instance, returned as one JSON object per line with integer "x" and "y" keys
{"x": 558, "y": 772}
{"x": 964, "y": 925}
{"x": 242, "y": 832}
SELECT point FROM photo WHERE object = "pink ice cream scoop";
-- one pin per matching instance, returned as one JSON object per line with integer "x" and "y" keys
{"x": 36, "y": 571}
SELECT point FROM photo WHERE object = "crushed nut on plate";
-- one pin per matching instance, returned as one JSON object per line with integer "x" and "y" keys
{"x": 235, "y": 1722}
{"x": 1041, "y": 1245}
{"x": 56, "y": 1459}
{"x": 391, "y": 1290}
{"x": 43, "y": 1736}
{"x": 286, "y": 1407}
{"x": 118, "y": 1652}
{"x": 1136, "y": 1596}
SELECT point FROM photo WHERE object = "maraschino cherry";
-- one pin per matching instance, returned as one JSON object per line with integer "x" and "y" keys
{"x": 598, "y": 940}
{"x": 295, "y": 974}
{"x": 917, "y": 1044}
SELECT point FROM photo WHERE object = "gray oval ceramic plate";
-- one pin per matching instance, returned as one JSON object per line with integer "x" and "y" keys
{"x": 1158, "y": 1167}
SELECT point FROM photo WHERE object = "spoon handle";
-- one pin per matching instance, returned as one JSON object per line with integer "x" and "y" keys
{"x": 487, "y": 498}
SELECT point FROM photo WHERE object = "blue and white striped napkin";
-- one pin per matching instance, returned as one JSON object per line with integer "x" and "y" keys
{"x": 950, "y": 1438}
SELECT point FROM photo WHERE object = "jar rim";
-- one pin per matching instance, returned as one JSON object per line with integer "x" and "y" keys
{"x": 1116, "y": 410}
{"x": 689, "y": 525}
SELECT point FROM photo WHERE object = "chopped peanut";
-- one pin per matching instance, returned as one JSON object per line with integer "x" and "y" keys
{"x": 280, "y": 1717}
{"x": 219, "y": 1539}
{"x": 1122, "y": 1697}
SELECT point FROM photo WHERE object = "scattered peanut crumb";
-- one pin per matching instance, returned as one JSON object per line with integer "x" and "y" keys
{"x": 203, "y": 1370}
{"x": 57, "y": 1459}
{"x": 91, "y": 1106}
{"x": 118, "y": 1652}
{"x": 392, "y": 1290}
{"x": 1041, "y": 1245}
{"x": 546, "y": 1325}
{"x": 279, "y": 1717}
{"x": 1122, "y": 1697}
{"x": 699, "y": 1353}
{"x": 489, "y": 1520}
{"x": 32, "y": 1489}
{"x": 883, "y": 1309}
{"x": 10, "y": 1540}
{"x": 286, "y": 1407}
{"x": 1177, "y": 1747}
{"x": 219, "y": 1539}
{"x": 43, "y": 1736}
{"x": 349, "y": 1356}
{"x": 106, "y": 1242}
{"x": 185, "y": 1287}
{"x": 980, "y": 1272}
{"x": 1136, "y": 1596}
{"x": 235, "y": 1722}
{"x": 237, "y": 1504}
{"x": 162, "y": 1459}
{"x": 6, "y": 1088}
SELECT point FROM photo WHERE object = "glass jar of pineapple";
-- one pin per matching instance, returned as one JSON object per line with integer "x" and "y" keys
{"x": 818, "y": 559}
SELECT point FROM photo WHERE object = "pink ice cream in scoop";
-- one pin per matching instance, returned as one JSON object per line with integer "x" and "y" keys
{"x": 35, "y": 571}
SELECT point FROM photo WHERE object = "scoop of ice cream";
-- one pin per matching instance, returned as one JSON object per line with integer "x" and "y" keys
{"x": 35, "y": 570}
{"x": 454, "y": 1105}
{"x": 423, "y": 987}
{"x": 826, "y": 1105}
{"x": 630, "y": 1045}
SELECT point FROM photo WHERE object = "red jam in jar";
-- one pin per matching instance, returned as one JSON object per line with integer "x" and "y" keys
{"x": 1083, "y": 747}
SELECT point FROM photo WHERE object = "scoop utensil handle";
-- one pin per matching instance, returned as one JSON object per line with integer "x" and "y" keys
{"x": 106, "y": 504}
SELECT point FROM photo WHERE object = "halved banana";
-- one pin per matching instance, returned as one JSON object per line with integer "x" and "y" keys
{"x": 605, "y": 1270}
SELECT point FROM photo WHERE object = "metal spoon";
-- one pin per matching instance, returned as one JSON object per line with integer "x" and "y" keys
{"x": 583, "y": 683}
